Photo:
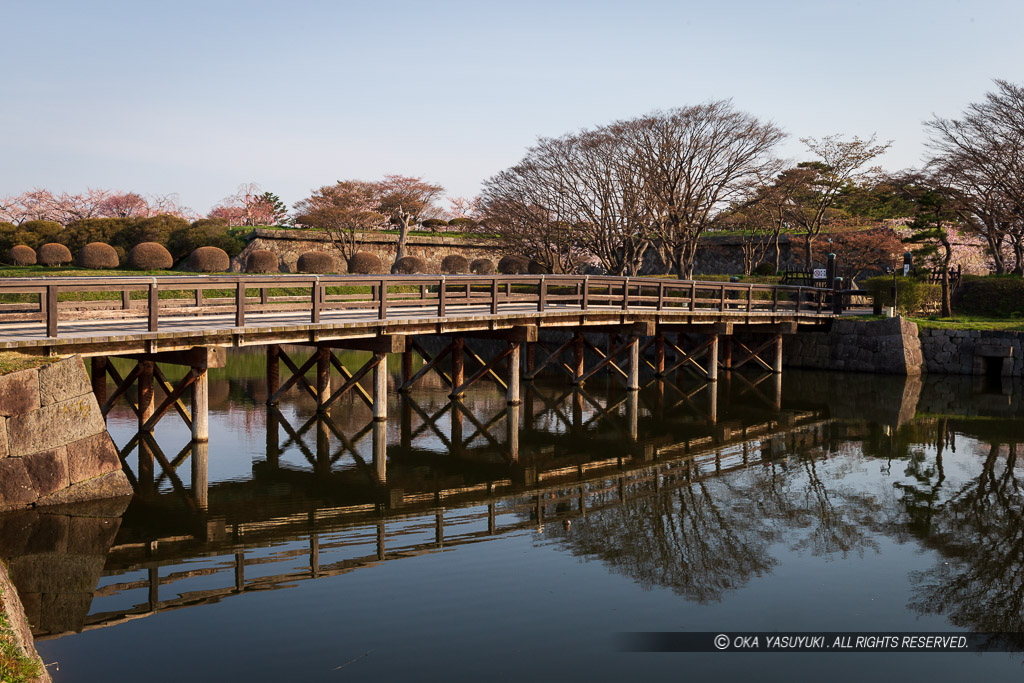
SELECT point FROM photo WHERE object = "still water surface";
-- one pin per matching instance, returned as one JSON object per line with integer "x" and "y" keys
{"x": 447, "y": 545}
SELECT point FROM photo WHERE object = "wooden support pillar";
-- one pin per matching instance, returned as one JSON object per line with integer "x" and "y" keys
{"x": 458, "y": 373}
{"x": 530, "y": 362}
{"x": 99, "y": 379}
{"x": 201, "y": 473}
{"x": 512, "y": 431}
{"x": 145, "y": 388}
{"x": 633, "y": 409}
{"x": 456, "y": 428}
{"x": 323, "y": 377}
{"x": 146, "y": 408}
{"x": 407, "y": 364}
{"x": 273, "y": 439}
{"x": 577, "y": 411}
{"x": 405, "y": 426}
{"x": 380, "y": 388}
{"x": 577, "y": 357}
{"x": 712, "y": 359}
{"x": 713, "y": 402}
{"x": 323, "y": 447}
{"x": 273, "y": 371}
{"x": 512, "y": 393}
{"x": 201, "y": 406}
{"x": 633, "y": 383}
{"x": 777, "y": 393}
{"x": 777, "y": 356}
{"x": 727, "y": 353}
{"x": 380, "y": 452}
{"x": 659, "y": 354}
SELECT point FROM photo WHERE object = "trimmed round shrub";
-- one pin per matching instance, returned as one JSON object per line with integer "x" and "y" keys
{"x": 316, "y": 262}
{"x": 513, "y": 265}
{"x": 54, "y": 254}
{"x": 22, "y": 255}
{"x": 765, "y": 268}
{"x": 209, "y": 260}
{"x": 482, "y": 266}
{"x": 455, "y": 264}
{"x": 408, "y": 265}
{"x": 150, "y": 256}
{"x": 97, "y": 255}
{"x": 536, "y": 268}
{"x": 433, "y": 223}
{"x": 462, "y": 223}
{"x": 261, "y": 261}
{"x": 365, "y": 263}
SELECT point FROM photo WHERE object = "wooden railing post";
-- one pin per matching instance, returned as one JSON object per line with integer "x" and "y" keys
{"x": 625, "y": 294}
{"x": 51, "y": 310}
{"x": 585, "y": 303}
{"x": 154, "y": 305}
{"x": 316, "y": 301}
{"x": 661, "y": 295}
{"x": 693, "y": 296}
{"x": 721, "y": 303}
{"x": 494, "y": 295}
{"x": 383, "y": 299}
{"x": 240, "y": 303}
{"x": 441, "y": 291}
{"x": 126, "y": 299}
{"x": 542, "y": 294}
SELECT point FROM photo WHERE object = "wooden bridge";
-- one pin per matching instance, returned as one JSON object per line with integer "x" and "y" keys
{"x": 666, "y": 325}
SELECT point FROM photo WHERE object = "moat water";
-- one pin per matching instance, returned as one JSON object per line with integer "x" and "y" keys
{"x": 473, "y": 542}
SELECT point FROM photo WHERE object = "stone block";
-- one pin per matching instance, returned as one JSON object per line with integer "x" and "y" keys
{"x": 55, "y": 425}
{"x": 32, "y": 603}
{"x": 111, "y": 485}
{"x": 48, "y": 470}
{"x": 92, "y": 456}
{"x": 92, "y": 535}
{"x": 15, "y": 531}
{"x": 3, "y": 437}
{"x": 64, "y": 612}
{"x": 19, "y": 392}
{"x": 56, "y": 572}
{"x": 49, "y": 534}
{"x": 63, "y": 380}
{"x": 16, "y": 488}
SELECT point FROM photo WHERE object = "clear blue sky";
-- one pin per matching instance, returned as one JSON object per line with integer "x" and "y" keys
{"x": 199, "y": 97}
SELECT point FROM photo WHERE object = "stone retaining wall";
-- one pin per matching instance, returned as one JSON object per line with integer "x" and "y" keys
{"x": 12, "y": 608}
{"x": 882, "y": 346}
{"x": 54, "y": 445}
{"x": 973, "y": 352}
{"x": 289, "y": 245}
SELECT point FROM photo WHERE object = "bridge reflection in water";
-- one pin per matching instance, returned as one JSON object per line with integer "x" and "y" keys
{"x": 601, "y": 471}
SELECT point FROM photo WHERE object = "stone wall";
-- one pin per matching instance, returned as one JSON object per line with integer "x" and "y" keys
{"x": 882, "y": 346}
{"x": 54, "y": 445}
{"x": 290, "y": 244}
{"x": 973, "y": 352}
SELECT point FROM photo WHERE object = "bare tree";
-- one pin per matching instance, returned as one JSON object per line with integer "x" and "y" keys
{"x": 689, "y": 164}
{"x": 981, "y": 156}
{"x": 814, "y": 186}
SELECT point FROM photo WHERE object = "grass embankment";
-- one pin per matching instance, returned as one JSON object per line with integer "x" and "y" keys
{"x": 12, "y": 361}
{"x": 15, "y": 665}
{"x": 965, "y": 322}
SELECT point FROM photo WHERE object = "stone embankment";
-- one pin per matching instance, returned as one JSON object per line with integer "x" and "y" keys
{"x": 898, "y": 346}
{"x": 18, "y": 626}
{"x": 54, "y": 445}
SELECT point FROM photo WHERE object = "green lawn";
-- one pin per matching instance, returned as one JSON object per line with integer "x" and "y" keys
{"x": 966, "y": 322}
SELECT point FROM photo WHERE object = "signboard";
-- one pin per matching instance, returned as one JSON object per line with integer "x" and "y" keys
{"x": 906, "y": 269}
{"x": 819, "y": 273}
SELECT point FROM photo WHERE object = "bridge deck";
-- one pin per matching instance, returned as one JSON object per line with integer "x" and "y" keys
{"x": 43, "y": 314}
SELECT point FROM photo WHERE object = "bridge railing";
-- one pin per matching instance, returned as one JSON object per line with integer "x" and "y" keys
{"x": 53, "y": 300}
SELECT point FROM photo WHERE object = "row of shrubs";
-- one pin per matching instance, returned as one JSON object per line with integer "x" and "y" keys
{"x": 992, "y": 296}
{"x": 177, "y": 235}
{"x": 366, "y": 263}
{"x": 100, "y": 255}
